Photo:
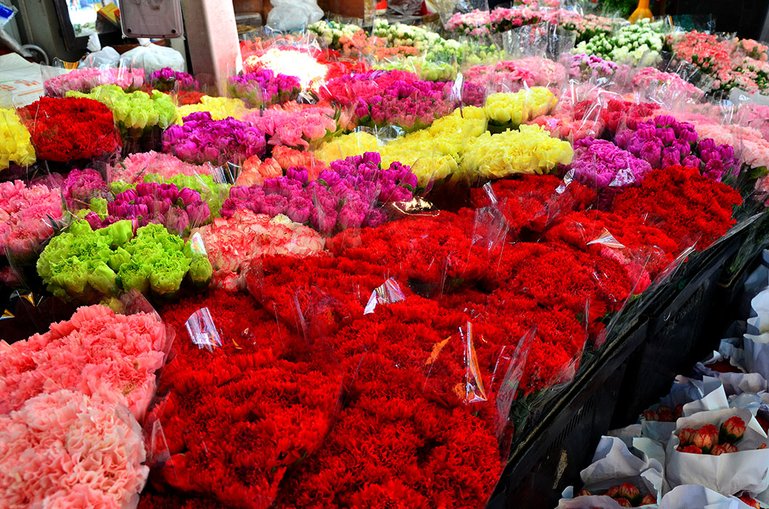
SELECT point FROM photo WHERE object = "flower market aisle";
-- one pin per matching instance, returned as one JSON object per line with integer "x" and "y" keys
{"x": 390, "y": 268}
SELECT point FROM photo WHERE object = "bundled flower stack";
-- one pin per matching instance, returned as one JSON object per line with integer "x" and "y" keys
{"x": 371, "y": 254}
{"x": 85, "y": 80}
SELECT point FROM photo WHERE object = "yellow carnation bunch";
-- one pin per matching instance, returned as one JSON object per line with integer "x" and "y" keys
{"x": 530, "y": 149}
{"x": 519, "y": 107}
{"x": 219, "y": 108}
{"x": 434, "y": 153}
{"x": 353, "y": 144}
{"x": 15, "y": 144}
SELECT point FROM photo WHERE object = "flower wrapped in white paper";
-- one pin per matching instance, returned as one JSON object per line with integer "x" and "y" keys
{"x": 747, "y": 469}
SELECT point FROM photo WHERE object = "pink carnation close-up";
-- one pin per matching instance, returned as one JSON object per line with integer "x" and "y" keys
{"x": 66, "y": 449}
{"x": 97, "y": 352}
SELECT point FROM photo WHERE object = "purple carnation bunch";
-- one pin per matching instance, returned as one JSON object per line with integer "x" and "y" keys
{"x": 601, "y": 164}
{"x": 590, "y": 67}
{"x": 664, "y": 141}
{"x": 177, "y": 209}
{"x": 81, "y": 186}
{"x": 264, "y": 88}
{"x": 204, "y": 140}
{"x": 351, "y": 194}
{"x": 409, "y": 104}
{"x": 166, "y": 79}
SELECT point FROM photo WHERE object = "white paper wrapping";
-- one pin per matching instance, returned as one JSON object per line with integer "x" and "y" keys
{"x": 690, "y": 497}
{"x": 745, "y": 470}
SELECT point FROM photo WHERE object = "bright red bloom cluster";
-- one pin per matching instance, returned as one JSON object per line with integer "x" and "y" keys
{"x": 688, "y": 207}
{"x": 70, "y": 129}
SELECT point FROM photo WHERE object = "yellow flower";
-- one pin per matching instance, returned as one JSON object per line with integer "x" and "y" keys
{"x": 348, "y": 145}
{"x": 15, "y": 144}
{"x": 219, "y": 107}
{"x": 530, "y": 149}
{"x": 519, "y": 107}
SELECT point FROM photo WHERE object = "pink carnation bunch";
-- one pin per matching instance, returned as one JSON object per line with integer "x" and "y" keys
{"x": 134, "y": 167}
{"x": 296, "y": 127}
{"x": 27, "y": 217}
{"x": 97, "y": 352}
{"x": 232, "y": 242}
{"x": 65, "y": 449}
{"x": 84, "y": 80}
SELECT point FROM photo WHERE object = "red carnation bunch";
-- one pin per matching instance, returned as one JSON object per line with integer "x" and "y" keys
{"x": 689, "y": 208}
{"x": 70, "y": 129}
{"x": 533, "y": 202}
{"x": 619, "y": 114}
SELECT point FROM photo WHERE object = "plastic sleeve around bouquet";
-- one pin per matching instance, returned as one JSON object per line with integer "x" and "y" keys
{"x": 541, "y": 39}
{"x": 86, "y": 79}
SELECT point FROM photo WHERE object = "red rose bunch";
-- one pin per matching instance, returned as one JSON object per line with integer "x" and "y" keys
{"x": 69, "y": 129}
{"x": 713, "y": 440}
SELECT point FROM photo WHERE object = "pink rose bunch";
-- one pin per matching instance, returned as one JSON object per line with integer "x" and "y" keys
{"x": 83, "y": 80}
{"x": 65, "y": 449}
{"x": 134, "y": 167}
{"x": 232, "y": 242}
{"x": 755, "y": 116}
{"x": 666, "y": 87}
{"x": 97, "y": 352}
{"x": 27, "y": 217}
{"x": 546, "y": 72}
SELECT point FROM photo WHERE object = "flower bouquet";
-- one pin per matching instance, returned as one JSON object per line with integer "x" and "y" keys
{"x": 70, "y": 129}
{"x": 220, "y": 108}
{"x": 294, "y": 127}
{"x": 135, "y": 167}
{"x": 690, "y": 208}
{"x": 211, "y": 191}
{"x": 636, "y": 44}
{"x": 84, "y": 264}
{"x": 86, "y": 79}
{"x": 720, "y": 449}
{"x": 351, "y": 194}
{"x": 530, "y": 149}
{"x": 140, "y": 116}
{"x": 604, "y": 166}
{"x": 29, "y": 216}
{"x": 278, "y": 412}
{"x": 347, "y": 145}
{"x": 44, "y": 436}
{"x": 179, "y": 210}
{"x": 505, "y": 110}
{"x": 98, "y": 352}
{"x": 664, "y": 141}
{"x": 231, "y": 243}
{"x": 264, "y": 88}
{"x": 168, "y": 80}
{"x": 254, "y": 171}
{"x": 15, "y": 144}
{"x": 202, "y": 139}
{"x": 434, "y": 153}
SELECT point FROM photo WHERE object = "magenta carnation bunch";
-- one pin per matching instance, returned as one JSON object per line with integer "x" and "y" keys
{"x": 202, "y": 139}
{"x": 350, "y": 194}
{"x": 264, "y": 87}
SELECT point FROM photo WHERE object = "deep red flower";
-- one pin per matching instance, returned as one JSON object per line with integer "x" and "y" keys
{"x": 68, "y": 129}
